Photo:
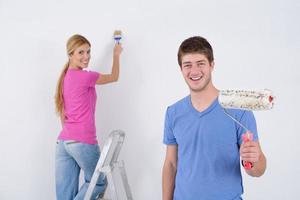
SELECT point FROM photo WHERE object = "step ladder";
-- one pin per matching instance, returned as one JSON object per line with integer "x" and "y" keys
{"x": 107, "y": 163}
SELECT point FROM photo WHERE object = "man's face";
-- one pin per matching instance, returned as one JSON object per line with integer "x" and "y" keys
{"x": 80, "y": 57}
{"x": 196, "y": 71}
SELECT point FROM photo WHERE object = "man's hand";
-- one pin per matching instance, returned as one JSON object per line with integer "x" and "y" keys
{"x": 250, "y": 151}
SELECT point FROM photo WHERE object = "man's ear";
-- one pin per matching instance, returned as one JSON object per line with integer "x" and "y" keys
{"x": 212, "y": 64}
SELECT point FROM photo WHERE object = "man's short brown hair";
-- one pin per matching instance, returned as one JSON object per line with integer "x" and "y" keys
{"x": 196, "y": 44}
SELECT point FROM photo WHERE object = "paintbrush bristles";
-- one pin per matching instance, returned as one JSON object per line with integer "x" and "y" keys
{"x": 117, "y": 32}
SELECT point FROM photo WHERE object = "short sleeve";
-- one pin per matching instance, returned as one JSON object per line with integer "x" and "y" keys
{"x": 169, "y": 137}
{"x": 91, "y": 78}
{"x": 249, "y": 121}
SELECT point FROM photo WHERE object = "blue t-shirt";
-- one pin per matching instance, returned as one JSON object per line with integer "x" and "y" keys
{"x": 208, "y": 165}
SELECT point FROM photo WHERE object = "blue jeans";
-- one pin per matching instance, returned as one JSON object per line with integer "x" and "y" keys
{"x": 71, "y": 156}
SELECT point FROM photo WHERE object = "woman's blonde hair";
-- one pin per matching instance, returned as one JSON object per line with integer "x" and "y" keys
{"x": 73, "y": 43}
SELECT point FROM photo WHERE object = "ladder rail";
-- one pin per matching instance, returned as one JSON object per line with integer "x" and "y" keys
{"x": 100, "y": 163}
{"x": 123, "y": 174}
{"x": 106, "y": 164}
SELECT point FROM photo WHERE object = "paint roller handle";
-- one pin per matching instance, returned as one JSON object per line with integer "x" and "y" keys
{"x": 248, "y": 136}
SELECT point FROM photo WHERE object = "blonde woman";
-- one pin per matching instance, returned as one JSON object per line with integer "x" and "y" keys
{"x": 77, "y": 147}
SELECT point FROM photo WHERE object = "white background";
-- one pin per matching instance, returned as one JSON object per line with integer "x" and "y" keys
{"x": 256, "y": 45}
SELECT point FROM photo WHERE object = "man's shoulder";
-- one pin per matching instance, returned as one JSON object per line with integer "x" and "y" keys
{"x": 179, "y": 106}
{"x": 180, "y": 102}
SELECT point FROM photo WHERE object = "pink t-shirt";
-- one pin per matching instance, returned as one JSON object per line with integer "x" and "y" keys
{"x": 79, "y": 106}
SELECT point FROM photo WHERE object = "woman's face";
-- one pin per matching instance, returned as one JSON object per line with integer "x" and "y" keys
{"x": 80, "y": 57}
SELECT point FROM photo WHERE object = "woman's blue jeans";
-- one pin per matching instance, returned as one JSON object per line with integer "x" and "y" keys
{"x": 71, "y": 156}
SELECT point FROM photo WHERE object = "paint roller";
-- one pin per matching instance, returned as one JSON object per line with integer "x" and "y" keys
{"x": 253, "y": 100}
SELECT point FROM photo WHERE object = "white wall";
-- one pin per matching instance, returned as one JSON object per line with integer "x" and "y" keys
{"x": 256, "y": 45}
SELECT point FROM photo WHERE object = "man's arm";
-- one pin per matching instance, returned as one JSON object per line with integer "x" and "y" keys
{"x": 169, "y": 172}
{"x": 251, "y": 152}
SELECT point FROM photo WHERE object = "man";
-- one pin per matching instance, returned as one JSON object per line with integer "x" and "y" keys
{"x": 204, "y": 145}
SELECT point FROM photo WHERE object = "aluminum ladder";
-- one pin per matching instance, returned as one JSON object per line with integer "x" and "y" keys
{"x": 107, "y": 163}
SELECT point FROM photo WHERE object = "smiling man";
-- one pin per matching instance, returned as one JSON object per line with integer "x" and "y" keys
{"x": 204, "y": 145}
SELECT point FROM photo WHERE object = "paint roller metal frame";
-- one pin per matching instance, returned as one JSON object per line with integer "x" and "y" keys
{"x": 239, "y": 123}
{"x": 107, "y": 163}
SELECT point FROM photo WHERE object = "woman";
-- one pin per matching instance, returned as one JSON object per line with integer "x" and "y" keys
{"x": 77, "y": 147}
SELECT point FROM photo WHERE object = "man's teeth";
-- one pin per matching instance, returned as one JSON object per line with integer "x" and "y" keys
{"x": 195, "y": 78}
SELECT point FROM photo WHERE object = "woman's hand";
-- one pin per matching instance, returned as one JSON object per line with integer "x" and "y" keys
{"x": 118, "y": 49}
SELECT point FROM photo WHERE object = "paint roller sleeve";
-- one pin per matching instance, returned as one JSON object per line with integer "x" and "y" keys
{"x": 247, "y": 99}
